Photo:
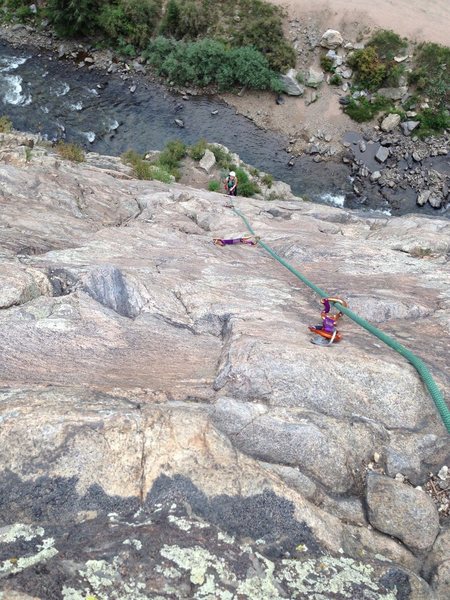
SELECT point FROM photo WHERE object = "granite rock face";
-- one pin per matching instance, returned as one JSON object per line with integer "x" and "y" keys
{"x": 155, "y": 386}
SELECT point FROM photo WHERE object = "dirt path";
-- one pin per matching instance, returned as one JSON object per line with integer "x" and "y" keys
{"x": 421, "y": 20}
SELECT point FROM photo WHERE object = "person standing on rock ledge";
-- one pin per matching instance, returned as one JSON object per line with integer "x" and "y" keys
{"x": 231, "y": 184}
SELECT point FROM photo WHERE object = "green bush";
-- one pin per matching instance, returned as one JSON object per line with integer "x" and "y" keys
{"x": 71, "y": 152}
{"x": 161, "y": 174}
{"x": 267, "y": 180}
{"x": 223, "y": 158}
{"x": 197, "y": 150}
{"x": 393, "y": 74}
{"x": 130, "y": 22}
{"x": 370, "y": 70}
{"x": 362, "y": 109}
{"x": 5, "y": 125}
{"x": 433, "y": 121}
{"x": 173, "y": 152}
{"x": 326, "y": 63}
{"x": 214, "y": 185}
{"x": 246, "y": 187}
{"x": 209, "y": 62}
{"x": 431, "y": 74}
{"x": 143, "y": 169}
{"x": 387, "y": 44}
{"x": 261, "y": 27}
{"x": 73, "y": 17}
{"x": 336, "y": 79}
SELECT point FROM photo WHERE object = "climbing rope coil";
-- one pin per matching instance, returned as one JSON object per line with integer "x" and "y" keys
{"x": 342, "y": 308}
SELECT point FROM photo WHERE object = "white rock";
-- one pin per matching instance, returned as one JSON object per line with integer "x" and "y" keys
{"x": 208, "y": 161}
{"x": 390, "y": 122}
{"x": 331, "y": 39}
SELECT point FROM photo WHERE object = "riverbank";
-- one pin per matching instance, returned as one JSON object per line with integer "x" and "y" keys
{"x": 314, "y": 148}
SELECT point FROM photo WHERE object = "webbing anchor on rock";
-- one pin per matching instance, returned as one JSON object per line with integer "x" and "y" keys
{"x": 250, "y": 240}
{"x": 326, "y": 332}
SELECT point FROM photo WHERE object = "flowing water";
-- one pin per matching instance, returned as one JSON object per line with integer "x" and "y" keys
{"x": 42, "y": 94}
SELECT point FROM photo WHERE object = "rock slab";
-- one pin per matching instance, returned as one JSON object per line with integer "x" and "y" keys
{"x": 402, "y": 511}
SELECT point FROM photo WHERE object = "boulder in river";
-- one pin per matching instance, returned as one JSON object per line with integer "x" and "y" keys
{"x": 382, "y": 154}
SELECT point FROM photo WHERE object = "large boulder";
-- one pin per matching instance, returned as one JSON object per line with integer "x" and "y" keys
{"x": 315, "y": 77}
{"x": 395, "y": 93}
{"x": 19, "y": 285}
{"x": 291, "y": 85}
{"x": 390, "y": 122}
{"x": 207, "y": 161}
{"x": 331, "y": 39}
{"x": 402, "y": 511}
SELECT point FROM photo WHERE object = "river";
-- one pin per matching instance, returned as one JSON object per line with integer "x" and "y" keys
{"x": 56, "y": 98}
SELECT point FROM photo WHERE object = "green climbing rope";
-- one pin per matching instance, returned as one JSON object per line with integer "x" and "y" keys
{"x": 417, "y": 363}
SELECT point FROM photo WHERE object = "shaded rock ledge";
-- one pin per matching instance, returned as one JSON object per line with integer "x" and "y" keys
{"x": 168, "y": 429}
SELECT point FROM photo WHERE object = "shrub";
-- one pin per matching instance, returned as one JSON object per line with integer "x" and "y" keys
{"x": 142, "y": 169}
{"x": 393, "y": 74}
{"x": 370, "y": 70}
{"x": 223, "y": 158}
{"x": 209, "y": 62}
{"x": 387, "y": 44}
{"x": 246, "y": 187}
{"x": 336, "y": 79}
{"x": 170, "y": 157}
{"x": 70, "y": 151}
{"x": 214, "y": 185}
{"x": 71, "y": 17}
{"x": 267, "y": 180}
{"x": 432, "y": 73}
{"x": 130, "y": 22}
{"x": 197, "y": 150}
{"x": 5, "y": 125}
{"x": 433, "y": 121}
{"x": 261, "y": 27}
{"x": 362, "y": 109}
{"x": 300, "y": 78}
{"x": 326, "y": 63}
{"x": 160, "y": 174}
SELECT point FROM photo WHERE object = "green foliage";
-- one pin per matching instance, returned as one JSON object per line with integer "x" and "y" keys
{"x": 5, "y": 125}
{"x": 161, "y": 174}
{"x": 72, "y": 17}
{"x": 362, "y": 109}
{"x": 191, "y": 20}
{"x": 209, "y": 62}
{"x": 387, "y": 44}
{"x": 173, "y": 152}
{"x": 260, "y": 25}
{"x": 246, "y": 187}
{"x": 336, "y": 79}
{"x": 143, "y": 169}
{"x": 28, "y": 154}
{"x": 370, "y": 70}
{"x": 71, "y": 152}
{"x": 214, "y": 185}
{"x": 170, "y": 22}
{"x": 223, "y": 158}
{"x": 130, "y": 22}
{"x": 326, "y": 63}
{"x": 433, "y": 121}
{"x": 300, "y": 78}
{"x": 197, "y": 150}
{"x": 432, "y": 73}
{"x": 267, "y": 180}
{"x": 393, "y": 74}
